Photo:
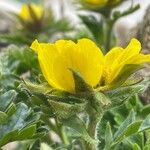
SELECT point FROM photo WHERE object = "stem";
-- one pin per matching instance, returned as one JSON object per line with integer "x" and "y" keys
{"x": 110, "y": 25}
{"x": 58, "y": 129}
{"x": 94, "y": 120}
{"x": 61, "y": 133}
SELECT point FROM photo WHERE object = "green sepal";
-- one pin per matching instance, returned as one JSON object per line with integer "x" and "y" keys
{"x": 102, "y": 100}
{"x": 80, "y": 83}
{"x": 125, "y": 73}
{"x": 38, "y": 88}
{"x": 66, "y": 110}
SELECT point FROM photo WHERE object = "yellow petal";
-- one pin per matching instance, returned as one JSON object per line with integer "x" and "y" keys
{"x": 37, "y": 9}
{"x": 35, "y": 46}
{"x": 110, "y": 63}
{"x": 90, "y": 61}
{"x": 24, "y": 13}
{"x": 139, "y": 59}
{"x": 133, "y": 48}
{"x": 46, "y": 57}
{"x": 124, "y": 56}
{"x": 112, "y": 55}
{"x": 96, "y": 2}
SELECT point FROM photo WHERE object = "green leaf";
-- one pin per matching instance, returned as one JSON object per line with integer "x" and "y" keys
{"x": 136, "y": 147}
{"x": 11, "y": 109}
{"x": 120, "y": 95}
{"x": 145, "y": 124}
{"x": 6, "y": 99}
{"x": 128, "y": 128}
{"x": 79, "y": 127}
{"x": 145, "y": 110}
{"x": 27, "y": 132}
{"x": 124, "y": 125}
{"x": 3, "y": 117}
{"x": 17, "y": 122}
{"x": 108, "y": 137}
{"x": 35, "y": 145}
{"x": 146, "y": 147}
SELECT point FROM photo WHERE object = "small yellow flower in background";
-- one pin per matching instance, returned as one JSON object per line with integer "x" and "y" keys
{"x": 96, "y": 2}
{"x": 56, "y": 59}
{"x": 99, "y": 3}
{"x": 31, "y": 11}
{"x": 86, "y": 58}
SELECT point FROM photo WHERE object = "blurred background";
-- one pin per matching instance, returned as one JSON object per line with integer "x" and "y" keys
{"x": 125, "y": 27}
{"x": 65, "y": 19}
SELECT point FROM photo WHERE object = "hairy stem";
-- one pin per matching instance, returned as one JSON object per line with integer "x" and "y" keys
{"x": 94, "y": 119}
{"x": 61, "y": 133}
{"x": 110, "y": 25}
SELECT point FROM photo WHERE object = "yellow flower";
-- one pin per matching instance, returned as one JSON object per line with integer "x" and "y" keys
{"x": 57, "y": 59}
{"x": 96, "y": 2}
{"x": 99, "y": 3}
{"x": 86, "y": 58}
{"x": 117, "y": 58}
{"x": 29, "y": 12}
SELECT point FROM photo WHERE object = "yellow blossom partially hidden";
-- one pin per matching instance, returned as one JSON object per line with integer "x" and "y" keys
{"x": 99, "y": 3}
{"x": 86, "y": 58}
{"x": 117, "y": 58}
{"x": 57, "y": 59}
{"x": 27, "y": 10}
{"x": 96, "y": 2}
